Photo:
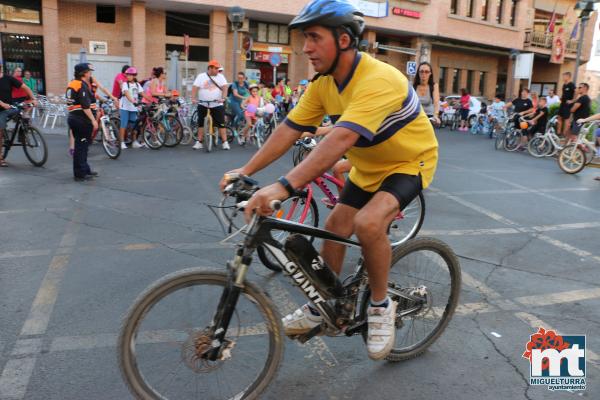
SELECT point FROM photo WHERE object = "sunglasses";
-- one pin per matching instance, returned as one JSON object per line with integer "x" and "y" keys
{"x": 424, "y": 72}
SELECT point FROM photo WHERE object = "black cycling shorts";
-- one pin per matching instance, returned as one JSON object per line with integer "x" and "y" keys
{"x": 564, "y": 110}
{"x": 402, "y": 186}
{"x": 217, "y": 113}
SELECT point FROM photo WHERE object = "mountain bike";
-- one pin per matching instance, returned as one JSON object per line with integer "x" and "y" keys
{"x": 201, "y": 333}
{"x": 25, "y": 135}
{"x": 169, "y": 117}
{"x": 150, "y": 127}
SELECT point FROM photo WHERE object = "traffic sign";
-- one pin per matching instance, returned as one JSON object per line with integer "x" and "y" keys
{"x": 411, "y": 67}
{"x": 275, "y": 59}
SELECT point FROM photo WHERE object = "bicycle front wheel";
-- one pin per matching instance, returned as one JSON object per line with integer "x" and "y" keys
{"x": 539, "y": 146}
{"x": 427, "y": 272}
{"x": 154, "y": 135}
{"x": 169, "y": 328}
{"x": 571, "y": 159}
{"x": 173, "y": 131}
{"x": 408, "y": 222}
{"x": 110, "y": 140}
{"x": 512, "y": 140}
{"x": 34, "y": 146}
{"x": 499, "y": 142}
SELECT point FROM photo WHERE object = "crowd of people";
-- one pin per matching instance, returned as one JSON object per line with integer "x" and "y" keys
{"x": 210, "y": 91}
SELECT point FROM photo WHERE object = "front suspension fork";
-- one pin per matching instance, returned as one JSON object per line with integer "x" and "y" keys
{"x": 228, "y": 302}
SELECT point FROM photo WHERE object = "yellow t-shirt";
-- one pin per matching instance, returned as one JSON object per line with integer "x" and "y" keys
{"x": 377, "y": 102}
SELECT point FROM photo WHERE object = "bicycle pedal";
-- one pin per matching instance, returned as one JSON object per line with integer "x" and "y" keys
{"x": 309, "y": 335}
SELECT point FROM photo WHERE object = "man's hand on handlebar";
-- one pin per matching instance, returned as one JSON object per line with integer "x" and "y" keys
{"x": 262, "y": 200}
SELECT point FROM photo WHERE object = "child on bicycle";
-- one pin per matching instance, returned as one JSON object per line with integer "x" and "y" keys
{"x": 250, "y": 105}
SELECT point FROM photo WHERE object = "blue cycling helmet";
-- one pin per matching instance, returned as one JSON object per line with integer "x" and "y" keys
{"x": 303, "y": 82}
{"x": 332, "y": 14}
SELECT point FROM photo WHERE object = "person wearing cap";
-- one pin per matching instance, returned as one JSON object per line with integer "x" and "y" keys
{"x": 209, "y": 91}
{"x": 131, "y": 91}
{"x": 81, "y": 120}
{"x": 118, "y": 82}
{"x": 7, "y": 83}
{"x": 380, "y": 126}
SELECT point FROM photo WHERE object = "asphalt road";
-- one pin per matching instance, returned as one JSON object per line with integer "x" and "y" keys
{"x": 74, "y": 256}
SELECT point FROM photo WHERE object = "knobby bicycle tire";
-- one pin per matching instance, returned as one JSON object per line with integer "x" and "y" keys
{"x": 170, "y": 284}
{"x": 444, "y": 251}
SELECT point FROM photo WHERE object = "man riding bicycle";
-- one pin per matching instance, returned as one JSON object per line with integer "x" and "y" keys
{"x": 380, "y": 127}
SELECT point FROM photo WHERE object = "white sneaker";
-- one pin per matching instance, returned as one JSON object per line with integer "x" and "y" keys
{"x": 198, "y": 146}
{"x": 137, "y": 145}
{"x": 123, "y": 146}
{"x": 382, "y": 330}
{"x": 300, "y": 321}
{"x": 225, "y": 146}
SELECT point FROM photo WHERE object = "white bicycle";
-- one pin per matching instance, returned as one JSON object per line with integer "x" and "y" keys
{"x": 576, "y": 155}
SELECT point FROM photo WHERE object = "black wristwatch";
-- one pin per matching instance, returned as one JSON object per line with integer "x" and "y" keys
{"x": 286, "y": 184}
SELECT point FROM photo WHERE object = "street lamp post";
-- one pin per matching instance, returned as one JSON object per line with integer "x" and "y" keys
{"x": 583, "y": 9}
{"x": 236, "y": 17}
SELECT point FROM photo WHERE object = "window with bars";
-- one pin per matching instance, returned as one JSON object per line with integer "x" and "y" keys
{"x": 484, "y": 10}
{"x": 481, "y": 83}
{"x": 499, "y": 8}
{"x": 443, "y": 78}
{"x": 470, "y": 81}
{"x": 454, "y": 7}
{"x": 269, "y": 33}
{"x": 455, "y": 80}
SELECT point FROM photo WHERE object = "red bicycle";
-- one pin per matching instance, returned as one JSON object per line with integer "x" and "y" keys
{"x": 302, "y": 208}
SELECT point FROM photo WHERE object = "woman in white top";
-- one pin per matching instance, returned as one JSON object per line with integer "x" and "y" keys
{"x": 131, "y": 91}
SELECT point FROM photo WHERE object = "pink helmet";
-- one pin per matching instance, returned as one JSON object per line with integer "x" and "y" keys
{"x": 131, "y": 71}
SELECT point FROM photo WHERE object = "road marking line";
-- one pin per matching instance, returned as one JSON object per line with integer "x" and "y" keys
{"x": 468, "y": 232}
{"x": 475, "y": 207}
{"x": 535, "y": 323}
{"x": 140, "y": 246}
{"x": 27, "y": 347}
{"x": 15, "y": 378}
{"x": 559, "y": 298}
{"x": 565, "y": 227}
{"x": 39, "y": 315}
{"x": 316, "y": 345}
{"x": 25, "y": 253}
{"x": 17, "y": 372}
{"x": 32, "y": 210}
{"x": 506, "y": 221}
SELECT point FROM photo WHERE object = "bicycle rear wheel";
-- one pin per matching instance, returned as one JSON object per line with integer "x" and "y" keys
{"x": 34, "y": 146}
{"x": 295, "y": 209}
{"x": 499, "y": 142}
{"x": 169, "y": 328}
{"x": 428, "y": 272}
{"x": 110, "y": 141}
{"x": 187, "y": 136}
{"x": 408, "y": 222}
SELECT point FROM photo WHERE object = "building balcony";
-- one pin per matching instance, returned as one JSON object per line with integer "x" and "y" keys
{"x": 543, "y": 41}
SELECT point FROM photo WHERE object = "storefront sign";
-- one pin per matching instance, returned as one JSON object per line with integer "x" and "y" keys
{"x": 268, "y": 48}
{"x": 264, "y": 56}
{"x": 98, "y": 47}
{"x": 372, "y": 8}
{"x": 406, "y": 13}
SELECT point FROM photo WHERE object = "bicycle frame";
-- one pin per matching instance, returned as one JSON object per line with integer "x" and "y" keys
{"x": 259, "y": 234}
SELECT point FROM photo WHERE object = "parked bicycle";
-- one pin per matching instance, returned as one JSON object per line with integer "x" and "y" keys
{"x": 546, "y": 144}
{"x": 214, "y": 334}
{"x": 109, "y": 129}
{"x": 24, "y": 135}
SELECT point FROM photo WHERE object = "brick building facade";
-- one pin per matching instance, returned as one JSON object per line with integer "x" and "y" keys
{"x": 468, "y": 42}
